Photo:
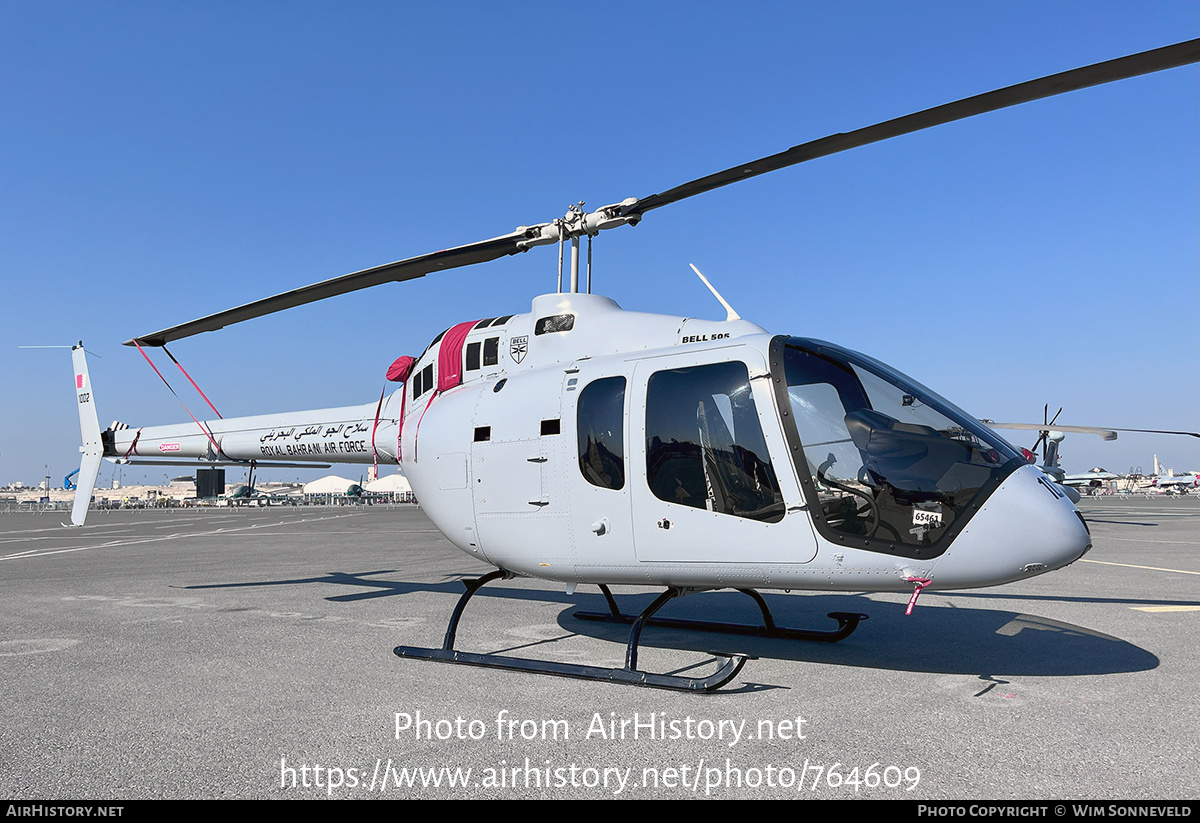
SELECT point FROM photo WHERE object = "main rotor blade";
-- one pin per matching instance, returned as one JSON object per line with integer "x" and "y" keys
{"x": 409, "y": 269}
{"x": 1109, "y": 433}
{"x": 631, "y": 210}
{"x": 1160, "y": 431}
{"x": 1147, "y": 62}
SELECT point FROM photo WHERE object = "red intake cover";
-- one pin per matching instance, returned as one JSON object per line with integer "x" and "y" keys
{"x": 398, "y": 372}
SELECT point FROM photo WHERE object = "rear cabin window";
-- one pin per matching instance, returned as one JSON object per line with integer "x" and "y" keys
{"x": 601, "y": 427}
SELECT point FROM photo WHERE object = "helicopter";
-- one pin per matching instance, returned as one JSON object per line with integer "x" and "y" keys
{"x": 1051, "y": 435}
{"x": 584, "y": 444}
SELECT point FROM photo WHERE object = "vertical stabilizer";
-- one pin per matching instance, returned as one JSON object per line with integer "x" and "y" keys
{"x": 89, "y": 428}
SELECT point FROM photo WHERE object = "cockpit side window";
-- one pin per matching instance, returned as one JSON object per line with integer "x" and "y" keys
{"x": 704, "y": 443}
{"x": 601, "y": 427}
{"x": 884, "y": 459}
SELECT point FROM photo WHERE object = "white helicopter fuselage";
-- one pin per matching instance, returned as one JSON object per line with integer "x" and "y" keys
{"x": 497, "y": 462}
{"x": 497, "y": 455}
{"x": 547, "y": 445}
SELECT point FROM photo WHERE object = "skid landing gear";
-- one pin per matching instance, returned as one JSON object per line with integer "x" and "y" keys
{"x": 847, "y": 622}
{"x": 630, "y": 673}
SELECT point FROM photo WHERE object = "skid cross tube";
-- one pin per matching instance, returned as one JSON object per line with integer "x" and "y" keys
{"x": 472, "y": 587}
{"x": 630, "y": 674}
{"x": 847, "y": 621}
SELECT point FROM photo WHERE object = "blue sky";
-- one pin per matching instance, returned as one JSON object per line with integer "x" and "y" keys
{"x": 162, "y": 161}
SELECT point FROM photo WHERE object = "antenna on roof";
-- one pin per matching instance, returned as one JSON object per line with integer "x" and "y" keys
{"x": 730, "y": 314}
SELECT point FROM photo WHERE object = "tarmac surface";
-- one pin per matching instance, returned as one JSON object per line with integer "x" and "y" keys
{"x": 248, "y": 654}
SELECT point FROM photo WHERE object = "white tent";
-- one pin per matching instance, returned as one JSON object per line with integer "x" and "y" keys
{"x": 390, "y": 483}
{"x": 331, "y": 484}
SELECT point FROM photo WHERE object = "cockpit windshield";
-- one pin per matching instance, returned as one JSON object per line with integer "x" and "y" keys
{"x": 884, "y": 458}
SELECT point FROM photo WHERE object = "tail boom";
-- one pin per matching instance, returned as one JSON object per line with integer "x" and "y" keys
{"x": 341, "y": 435}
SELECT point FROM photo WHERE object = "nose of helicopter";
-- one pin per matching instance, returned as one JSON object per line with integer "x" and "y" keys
{"x": 1026, "y": 527}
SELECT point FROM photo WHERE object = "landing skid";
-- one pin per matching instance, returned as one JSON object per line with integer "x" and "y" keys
{"x": 630, "y": 673}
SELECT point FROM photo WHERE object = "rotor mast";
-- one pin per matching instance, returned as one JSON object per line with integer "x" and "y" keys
{"x": 573, "y": 225}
